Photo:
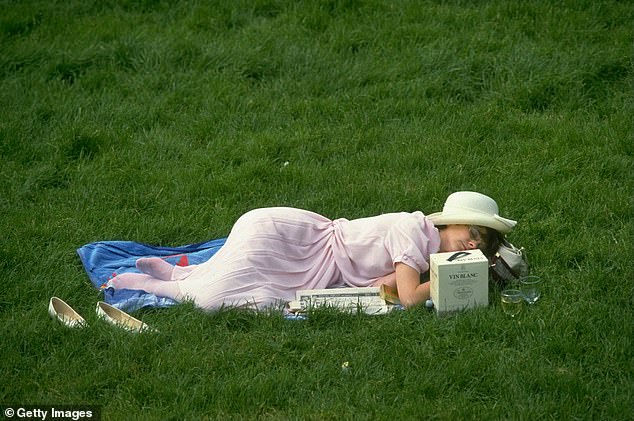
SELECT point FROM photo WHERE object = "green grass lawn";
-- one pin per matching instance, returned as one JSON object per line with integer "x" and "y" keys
{"x": 162, "y": 122}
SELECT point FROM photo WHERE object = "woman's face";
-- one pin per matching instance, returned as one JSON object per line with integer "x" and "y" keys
{"x": 457, "y": 238}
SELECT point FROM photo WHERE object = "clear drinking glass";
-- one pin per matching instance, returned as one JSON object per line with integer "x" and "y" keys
{"x": 512, "y": 301}
{"x": 531, "y": 288}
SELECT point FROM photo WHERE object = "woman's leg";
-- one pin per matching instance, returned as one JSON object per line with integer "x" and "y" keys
{"x": 160, "y": 269}
{"x": 155, "y": 267}
{"x": 147, "y": 283}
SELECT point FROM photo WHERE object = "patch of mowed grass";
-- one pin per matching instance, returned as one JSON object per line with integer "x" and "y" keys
{"x": 162, "y": 122}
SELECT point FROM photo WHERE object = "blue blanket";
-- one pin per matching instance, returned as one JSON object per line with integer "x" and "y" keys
{"x": 105, "y": 259}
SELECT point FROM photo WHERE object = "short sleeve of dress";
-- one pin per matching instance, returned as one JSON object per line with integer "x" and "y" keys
{"x": 411, "y": 239}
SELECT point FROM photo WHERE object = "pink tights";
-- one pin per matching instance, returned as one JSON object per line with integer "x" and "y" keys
{"x": 155, "y": 279}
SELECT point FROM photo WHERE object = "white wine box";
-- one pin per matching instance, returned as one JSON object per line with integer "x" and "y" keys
{"x": 459, "y": 280}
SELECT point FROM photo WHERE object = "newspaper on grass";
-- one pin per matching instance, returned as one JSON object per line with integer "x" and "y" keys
{"x": 369, "y": 300}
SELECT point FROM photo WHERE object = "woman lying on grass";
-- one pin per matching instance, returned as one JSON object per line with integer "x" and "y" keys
{"x": 273, "y": 252}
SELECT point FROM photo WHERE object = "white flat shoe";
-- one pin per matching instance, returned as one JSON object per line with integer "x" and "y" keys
{"x": 121, "y": 319}
{"x": 61, "y": 311}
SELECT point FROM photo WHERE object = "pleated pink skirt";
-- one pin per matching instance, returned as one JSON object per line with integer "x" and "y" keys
{"x": 269, "y": 254}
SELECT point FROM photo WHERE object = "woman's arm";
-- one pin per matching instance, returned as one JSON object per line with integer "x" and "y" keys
{"x": 410, "y": 291}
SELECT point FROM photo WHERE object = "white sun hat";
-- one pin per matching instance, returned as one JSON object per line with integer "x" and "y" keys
{"x": 471, "y": 208}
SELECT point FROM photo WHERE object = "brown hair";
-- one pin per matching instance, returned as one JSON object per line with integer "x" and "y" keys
{"x": 489, "y": 239}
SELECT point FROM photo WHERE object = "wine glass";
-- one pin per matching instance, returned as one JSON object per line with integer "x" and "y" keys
{"x": 512, "y": 301}
{"x": 531, "y": 288}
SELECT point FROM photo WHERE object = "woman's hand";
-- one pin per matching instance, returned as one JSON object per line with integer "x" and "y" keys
{"x": 410, "y": 291}
{"x": 389, "y": 280}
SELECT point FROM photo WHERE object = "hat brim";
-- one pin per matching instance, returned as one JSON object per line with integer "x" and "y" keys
{"x": 496, "y": 222}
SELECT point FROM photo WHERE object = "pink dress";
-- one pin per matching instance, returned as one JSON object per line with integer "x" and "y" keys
{"x": 273, "y": 252}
